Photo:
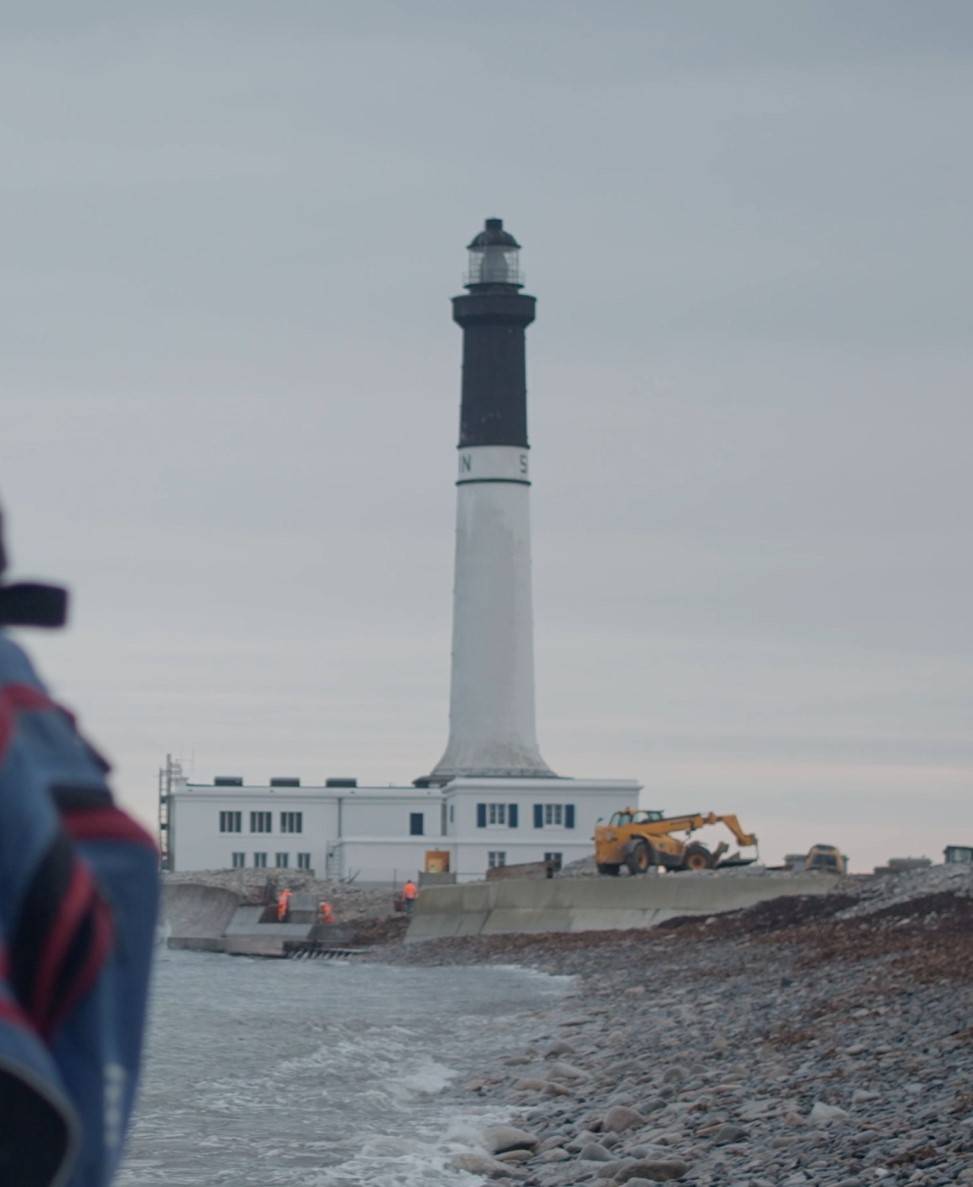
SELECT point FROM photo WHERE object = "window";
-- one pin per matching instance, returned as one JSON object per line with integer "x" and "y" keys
{"x": 496, "y": 815}
{"x": 261, "y": 822}
{"x": 496, "y": 859}
{"x": 282, "y": 861}
{"x": 239, "y": 860}
{"x": 304, "y": 861}
{"x": 292, "y": 822}
{"x": 554, "y": 816}
{"x": 450, "y": 813}
{"x": 554, "y": 859}
{"x": 231, "y": 822}
{"x": 415, "y": 824}
{"x": 260, "y": 861}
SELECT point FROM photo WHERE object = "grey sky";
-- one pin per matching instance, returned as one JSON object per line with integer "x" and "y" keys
{"x": 231, "y": 387}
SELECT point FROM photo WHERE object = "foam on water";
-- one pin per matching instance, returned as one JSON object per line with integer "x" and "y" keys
{"x": 291, "y": 1073}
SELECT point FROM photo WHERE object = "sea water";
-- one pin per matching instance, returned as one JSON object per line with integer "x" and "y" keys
{"x": 315, "y": 1073}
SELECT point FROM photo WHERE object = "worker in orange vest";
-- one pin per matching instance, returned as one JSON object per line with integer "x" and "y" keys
{"x": 409, "y": 895}
{"x": 283, "y": 905}
{"x": 325, "y": 913}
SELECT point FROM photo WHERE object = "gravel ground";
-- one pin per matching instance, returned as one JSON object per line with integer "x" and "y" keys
{"x": 824, "y": 1041}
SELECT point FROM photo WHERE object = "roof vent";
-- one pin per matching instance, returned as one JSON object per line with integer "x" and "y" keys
{"x": 228, "y": 781}
{"x": 285, "y": 781}
{"x": 341, "y": 783}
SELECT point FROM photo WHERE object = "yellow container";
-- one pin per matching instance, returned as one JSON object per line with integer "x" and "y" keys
{"x": 437, "y": 861}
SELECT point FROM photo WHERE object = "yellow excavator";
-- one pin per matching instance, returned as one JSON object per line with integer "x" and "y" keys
{"x": 642, "y": 839}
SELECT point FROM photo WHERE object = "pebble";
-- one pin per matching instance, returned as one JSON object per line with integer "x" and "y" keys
{"x": 619, "y": 1118}
{"x": 479, "y": 1164}
{"x": 658, "y": 1171}
{"x": 822, "y": 1114}
{"x": 729, "y": 1133}
{"x": 594, "y": 1152}
{"x": 499, "y": 1138}
{"x": 861, "y": 1096}
{"x": 565, "y": 1071}
{"x": 555, "y": 1155}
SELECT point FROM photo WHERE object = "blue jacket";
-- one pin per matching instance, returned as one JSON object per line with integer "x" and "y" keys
{"x": 78, "y": 902}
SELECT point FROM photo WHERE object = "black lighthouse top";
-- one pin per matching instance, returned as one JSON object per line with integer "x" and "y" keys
{"x": 494, "y": 315}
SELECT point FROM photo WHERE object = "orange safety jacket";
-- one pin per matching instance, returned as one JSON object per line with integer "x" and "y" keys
{"x": 409, "y": 890}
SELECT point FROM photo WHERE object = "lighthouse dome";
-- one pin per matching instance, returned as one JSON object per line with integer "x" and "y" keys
{"x": 494, "y": 257}
{"x": 493, "y": 235}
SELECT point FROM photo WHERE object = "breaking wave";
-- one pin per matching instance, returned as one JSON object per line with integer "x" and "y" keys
{"x": 297, "y": 1073}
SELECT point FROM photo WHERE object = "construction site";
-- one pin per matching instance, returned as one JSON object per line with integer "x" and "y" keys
{"x": 645, "y": 870}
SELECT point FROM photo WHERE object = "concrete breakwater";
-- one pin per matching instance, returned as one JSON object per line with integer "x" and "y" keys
{"x": 595, "y": 904}
{"x": 220, "y": 918}
{"x": 196, "y": 916}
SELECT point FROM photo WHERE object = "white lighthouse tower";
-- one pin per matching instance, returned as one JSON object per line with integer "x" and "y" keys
{"x": 491, "y": 709}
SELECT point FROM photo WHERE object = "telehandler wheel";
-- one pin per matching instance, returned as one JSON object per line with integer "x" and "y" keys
{"x": 641, "y": 858}
{"x": 608, "y": 868}
{"x": 697, "y": 857}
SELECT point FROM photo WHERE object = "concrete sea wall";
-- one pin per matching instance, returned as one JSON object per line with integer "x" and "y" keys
{"x": 594, "y": 904}
{"x": 211, "y": 919}
{"x": 193, "y": 914}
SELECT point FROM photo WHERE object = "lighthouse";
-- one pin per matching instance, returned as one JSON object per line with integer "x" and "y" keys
{"x": 492, "y": 732}
{"x": 491, "y": 801}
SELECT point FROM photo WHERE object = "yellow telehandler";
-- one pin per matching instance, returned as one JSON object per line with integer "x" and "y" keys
{"x": 642, "y": 838}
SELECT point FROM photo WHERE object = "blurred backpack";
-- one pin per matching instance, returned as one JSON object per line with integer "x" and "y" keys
{"x": 78, "y": 903}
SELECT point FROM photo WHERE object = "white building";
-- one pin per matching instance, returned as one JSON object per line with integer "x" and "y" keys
{"x": 383, "y": 834}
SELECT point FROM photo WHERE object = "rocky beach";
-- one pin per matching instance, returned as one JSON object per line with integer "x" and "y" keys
{"x": 824, "y": 1041}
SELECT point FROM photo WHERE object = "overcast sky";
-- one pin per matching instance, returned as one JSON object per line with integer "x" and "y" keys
{"x": 231, "y": 384}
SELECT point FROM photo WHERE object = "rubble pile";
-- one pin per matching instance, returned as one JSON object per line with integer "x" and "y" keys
{"x": 825, "y": 1042}
{"x": 585, "y": 867}
{"x": 886, "y": 890}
